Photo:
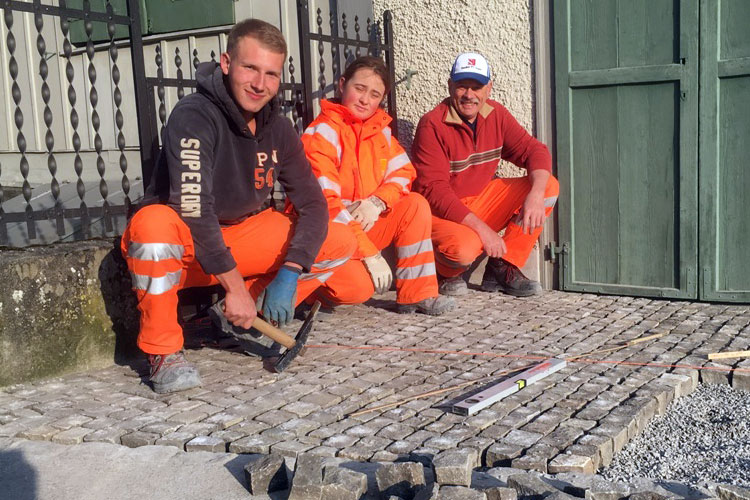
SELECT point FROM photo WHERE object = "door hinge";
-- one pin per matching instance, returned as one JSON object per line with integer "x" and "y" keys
{"x": 552, "y": 250}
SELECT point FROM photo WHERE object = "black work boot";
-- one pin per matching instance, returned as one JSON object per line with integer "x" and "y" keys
{"x": 503, "y": 276}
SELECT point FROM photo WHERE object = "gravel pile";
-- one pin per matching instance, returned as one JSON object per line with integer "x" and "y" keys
{"x": 703, "y": 439}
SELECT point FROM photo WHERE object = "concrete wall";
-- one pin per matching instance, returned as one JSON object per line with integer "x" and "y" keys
{"x": 64, "y": 308}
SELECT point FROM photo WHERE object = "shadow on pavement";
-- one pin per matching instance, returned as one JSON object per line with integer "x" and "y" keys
{"x": 18, "y": 479}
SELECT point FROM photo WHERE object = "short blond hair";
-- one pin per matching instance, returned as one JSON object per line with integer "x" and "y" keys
{"x": 267, "y": 34}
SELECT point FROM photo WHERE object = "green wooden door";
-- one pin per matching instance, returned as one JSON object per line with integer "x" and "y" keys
{"x": 626, "y": 83}
{"x": 725, "y": 150}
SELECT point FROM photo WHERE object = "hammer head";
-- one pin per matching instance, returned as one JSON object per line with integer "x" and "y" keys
{"x": 300, "y": 341}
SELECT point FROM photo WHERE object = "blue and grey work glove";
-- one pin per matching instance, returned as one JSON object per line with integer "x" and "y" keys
{"x": 281, "y": 295}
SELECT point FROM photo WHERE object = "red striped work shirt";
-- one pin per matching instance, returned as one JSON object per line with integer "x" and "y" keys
{"x": 452, "y": 163}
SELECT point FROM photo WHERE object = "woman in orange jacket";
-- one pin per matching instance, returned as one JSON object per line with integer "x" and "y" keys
{"x": 366, "y": 177}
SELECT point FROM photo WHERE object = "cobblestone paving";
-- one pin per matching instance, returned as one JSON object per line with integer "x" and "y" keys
{"x": 573, "y": 420}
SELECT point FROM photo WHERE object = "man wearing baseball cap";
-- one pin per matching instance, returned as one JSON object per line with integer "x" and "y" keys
{"x": 456, "y": 152}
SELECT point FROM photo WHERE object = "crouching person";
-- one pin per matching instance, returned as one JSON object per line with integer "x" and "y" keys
{"x": 366, "y": 177}
{"x": 224, "y": 147}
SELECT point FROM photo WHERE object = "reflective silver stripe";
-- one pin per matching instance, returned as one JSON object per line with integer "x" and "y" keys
{"x": 155, "y": 251}
{"x": 387, "y": 134}
{"x": 343, "y": 217}
{"x": 327, "y": 133}
{"x": 346, "y": 202}
{"x": 322, "y": 277}
{"x": 410, "y": 273}
{"x": 550, "y": 202}
{"x": 156, "y": 286}
{"x": 329, "y": 264}
{"x": 401, "y": 181}
{"x": 396, "y": 162}
{"x": 326, "y": 183}
{"x": 414, "y": 249}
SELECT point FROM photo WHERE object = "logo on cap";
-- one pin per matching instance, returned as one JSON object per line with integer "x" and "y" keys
{"x": 471, "y": 65}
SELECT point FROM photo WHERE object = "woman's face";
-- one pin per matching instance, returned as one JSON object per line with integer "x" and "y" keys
{"x": 362, "y": 93}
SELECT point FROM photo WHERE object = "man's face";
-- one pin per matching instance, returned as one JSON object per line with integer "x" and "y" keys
{"x": 253, "y": 73}
{"x": 468, "y": 96}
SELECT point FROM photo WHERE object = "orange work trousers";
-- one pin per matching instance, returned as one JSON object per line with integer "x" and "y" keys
{"x": 498, "y": 205}
{"x": 159, "y": 250}
{"x": 407, "y": 226}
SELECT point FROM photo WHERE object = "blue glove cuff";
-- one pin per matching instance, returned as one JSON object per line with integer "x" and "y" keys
{"x": 287, "y": 274}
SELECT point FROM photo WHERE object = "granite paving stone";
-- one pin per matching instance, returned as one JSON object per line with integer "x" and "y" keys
{"x": 343, "y": 484}
{"x": 266, "y": 475}
{"x": 176, "y": 439}
{"x": 138, "y": 438}
{"x": 460, "y": 493}
{"x": 206, "y": 443}
{"x": 574, "y": 420}
{"x": 454, "y": 467}
{"x": 73, "y": 435}
{"x": 402, "y": 479}
{"x": 104, "y": 436}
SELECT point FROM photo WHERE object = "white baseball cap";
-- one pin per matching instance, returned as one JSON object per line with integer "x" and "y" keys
{"x": 471, "y": 65}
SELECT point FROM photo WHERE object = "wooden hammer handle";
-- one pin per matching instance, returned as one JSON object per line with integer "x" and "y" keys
{"x": 274, "y": 333}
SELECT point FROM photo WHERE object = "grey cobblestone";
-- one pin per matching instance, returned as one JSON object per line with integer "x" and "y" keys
{"x": 206, "y": 443}
{"x": 74, "y": 435}
{"x": 104, "y": 436}
{"x": 136, "y": 439}
{"x": 176, "y": 439}
{"x": 587, "y": 410}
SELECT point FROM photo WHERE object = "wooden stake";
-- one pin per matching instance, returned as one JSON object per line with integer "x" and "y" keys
{"x": 729, "y": 354}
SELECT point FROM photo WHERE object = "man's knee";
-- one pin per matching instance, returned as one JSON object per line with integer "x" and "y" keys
{"x": 416, "y": 208}
{"x": 553, "y": 187}
{"x": 460, "y": 254}
{"x": 154, "y": 224}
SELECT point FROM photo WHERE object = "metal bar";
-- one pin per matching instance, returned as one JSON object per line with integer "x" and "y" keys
{"x": 391, "y": 63}
{"x": 68, "y": 213}
{"x": 485, "y": 398}
{"x": 144, "y": 105}
{"x": 303, "y": 25}
{"x": 53, "y": 10}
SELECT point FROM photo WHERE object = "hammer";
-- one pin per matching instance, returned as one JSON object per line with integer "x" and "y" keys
{"x": 294, "y": 346}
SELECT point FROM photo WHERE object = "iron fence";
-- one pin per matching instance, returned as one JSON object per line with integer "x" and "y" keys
{"x": 81, "y": 198}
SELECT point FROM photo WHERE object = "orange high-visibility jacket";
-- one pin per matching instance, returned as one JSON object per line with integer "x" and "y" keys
{"x": 353, "y": 160}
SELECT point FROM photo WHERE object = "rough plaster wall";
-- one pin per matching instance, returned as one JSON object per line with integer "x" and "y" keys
{"x": 428, "y": 34}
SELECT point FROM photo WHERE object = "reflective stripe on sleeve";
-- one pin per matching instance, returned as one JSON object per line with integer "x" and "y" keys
{"x": 343, "y": 217}
{"x": 327, "y": 133}
{"x": 401, "y": 181}
{"x": 326, "y": 183}
{"x": 396, "y": 162}
{"x": 155, "y": 251}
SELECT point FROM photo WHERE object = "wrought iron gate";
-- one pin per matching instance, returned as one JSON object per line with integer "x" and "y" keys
{"x": 71, "y": 202}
